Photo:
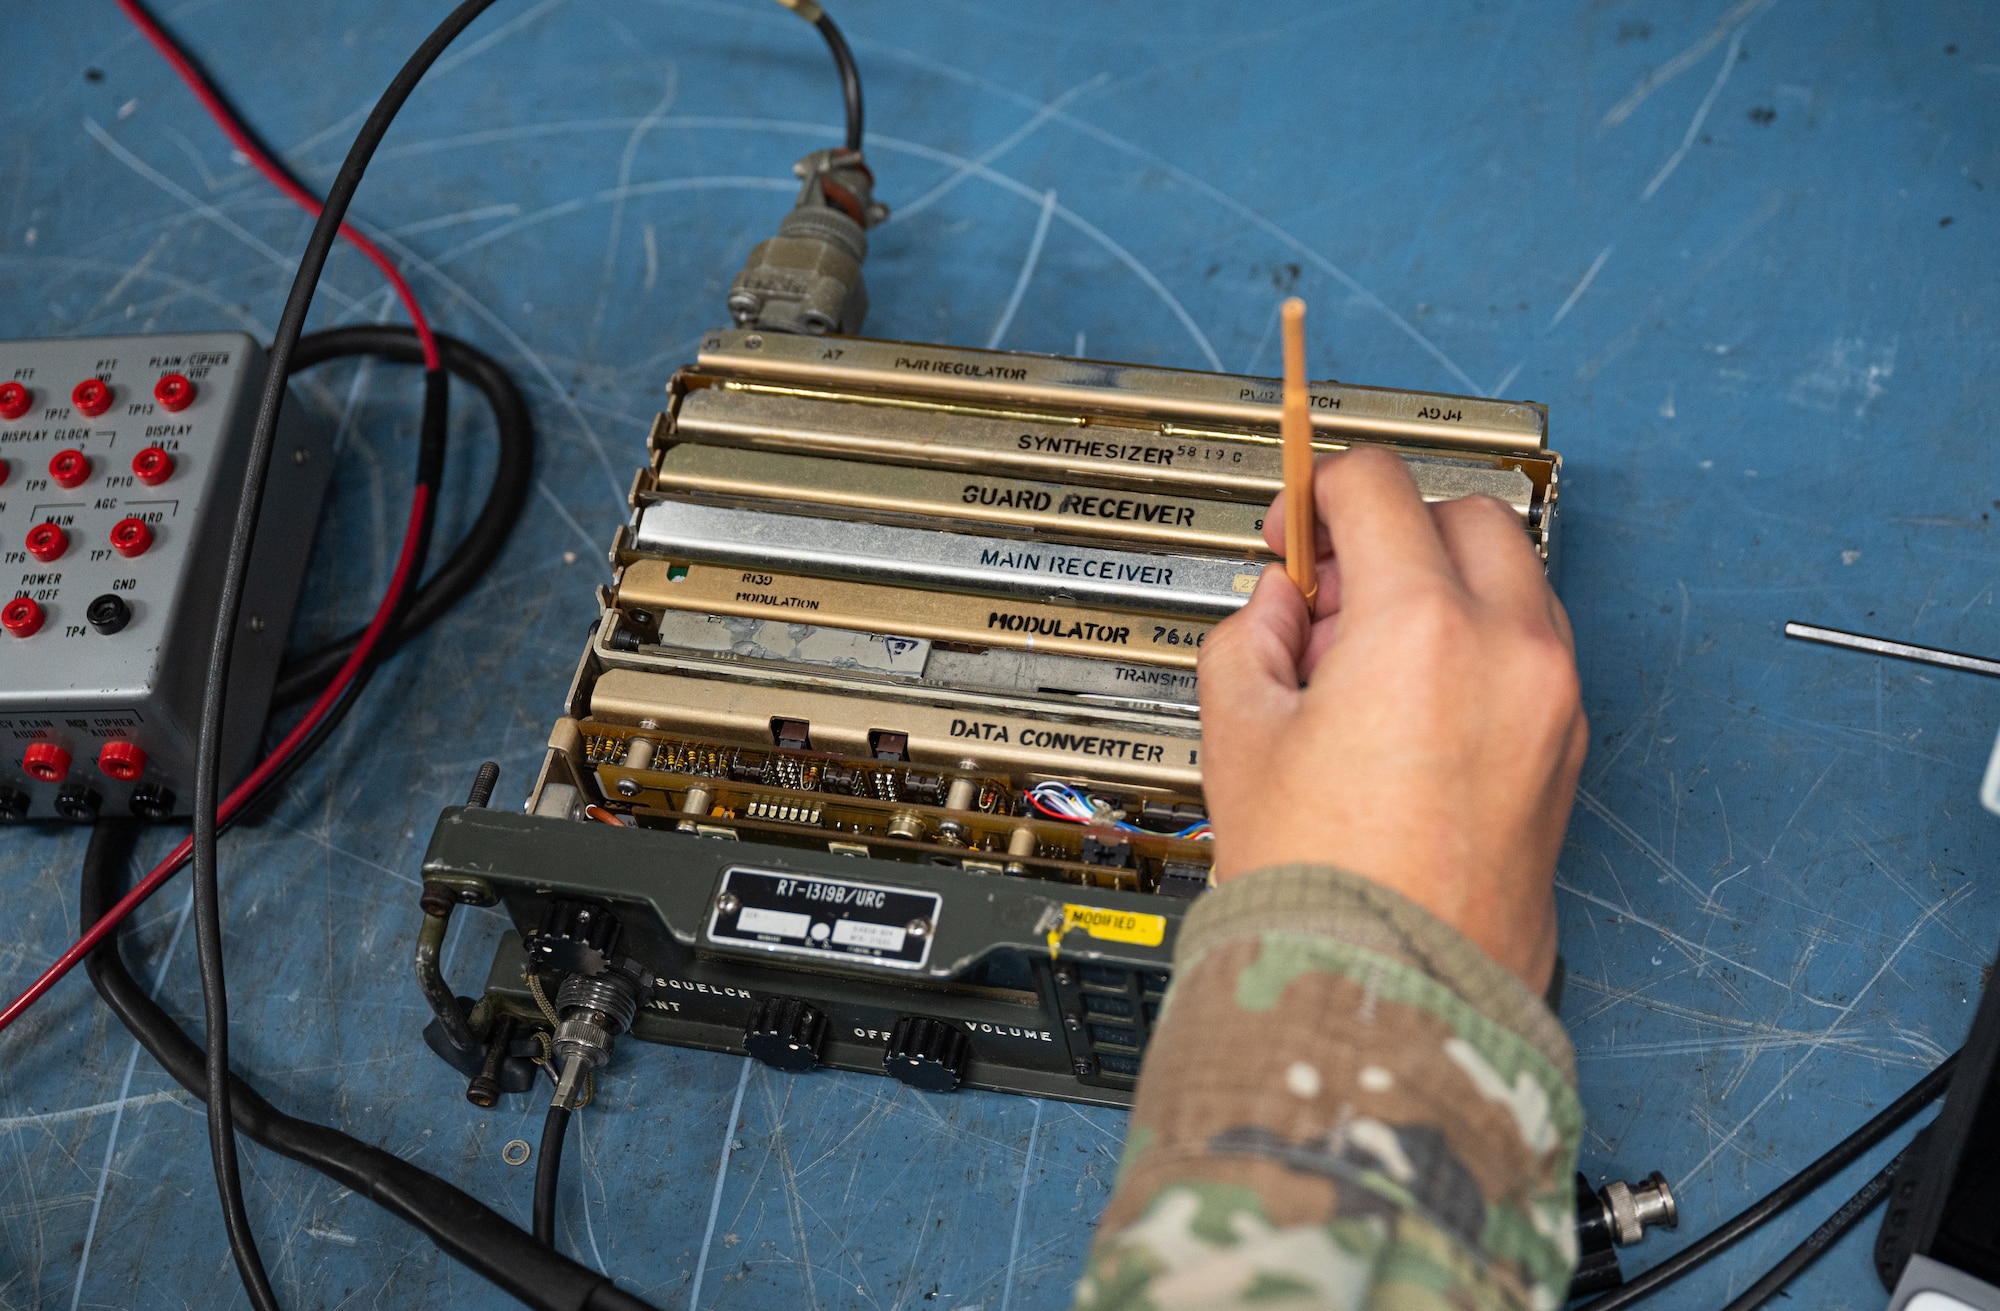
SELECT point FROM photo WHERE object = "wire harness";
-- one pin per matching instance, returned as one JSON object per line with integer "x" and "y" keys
{"x": 465, "y": 1228}
{"x": 1067, "y": 801}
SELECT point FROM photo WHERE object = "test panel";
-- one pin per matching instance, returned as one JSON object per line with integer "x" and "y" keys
{"x": 121, "y": 461}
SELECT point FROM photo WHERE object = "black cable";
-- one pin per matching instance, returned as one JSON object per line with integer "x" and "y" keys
{"x": 548, "y": 1170}
{"x": 431, "y": 442}
{"x": 208, "y": 756}
{"x": 1843, "y": 1154}
{"x": 311, "y": 672}
{"x": 1829, "y": 1233}
{"x": 468, "y": 1231}
{"x": 208, "y": 763}
{"x": 850, "y": 76}
{"x": 303, "y": 676}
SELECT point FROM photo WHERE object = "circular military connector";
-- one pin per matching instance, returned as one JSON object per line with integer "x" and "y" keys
{"x": 926, "y": 1053}
{"x": 785, "y": 1033}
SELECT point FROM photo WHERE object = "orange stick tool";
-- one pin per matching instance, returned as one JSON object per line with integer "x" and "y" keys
{"x": 1295, "y": 425}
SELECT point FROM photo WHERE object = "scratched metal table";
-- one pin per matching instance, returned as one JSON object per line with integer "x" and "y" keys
{"x": 1746, "y": 253}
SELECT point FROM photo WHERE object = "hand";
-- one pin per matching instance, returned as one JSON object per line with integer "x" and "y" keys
{"x": 1435, "y": 743}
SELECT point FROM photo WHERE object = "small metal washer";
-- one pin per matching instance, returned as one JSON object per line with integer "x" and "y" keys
{"x": 517, "y": 1152}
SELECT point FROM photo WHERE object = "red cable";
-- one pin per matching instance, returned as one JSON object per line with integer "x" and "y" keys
{"x": 276, "y": 176}
{"x": 243, "y": 791}
{"x": 178, "y": 857}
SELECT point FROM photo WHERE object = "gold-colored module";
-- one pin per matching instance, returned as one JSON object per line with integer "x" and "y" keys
{"x": 1161, "y": 457}
{"x": 910, "y": 612}
{"x": 1081, "y": 747}
{"x": 1011, "y": 380}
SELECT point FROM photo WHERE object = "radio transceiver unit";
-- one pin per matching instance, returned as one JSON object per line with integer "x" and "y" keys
{"x": 884, "y": 753}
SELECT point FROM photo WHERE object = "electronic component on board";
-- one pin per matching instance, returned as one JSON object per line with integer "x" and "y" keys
{"x": 1064, "y": 741}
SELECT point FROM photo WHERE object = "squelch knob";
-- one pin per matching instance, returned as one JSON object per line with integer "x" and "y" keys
{"x": 926, "y": 1053}
{"x": 785, "y": 1033}
{"x": 575, "y": 937}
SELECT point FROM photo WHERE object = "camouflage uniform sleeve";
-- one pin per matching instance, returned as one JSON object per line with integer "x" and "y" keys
{"x": 1345, "y": 1104}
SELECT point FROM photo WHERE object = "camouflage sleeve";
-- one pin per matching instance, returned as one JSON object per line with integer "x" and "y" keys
{"x": 1345, "y": 1105}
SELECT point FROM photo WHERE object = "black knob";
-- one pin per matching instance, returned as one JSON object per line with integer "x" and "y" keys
{"x": 13, "y": 804}
{"x": 785, "y": 1033}
{"x": 576, "y": 937}
{"x": 108, "y": 613}
{"x": 926, "y": 1053}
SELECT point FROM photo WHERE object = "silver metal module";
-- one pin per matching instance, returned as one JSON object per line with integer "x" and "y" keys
{"x": 778, "y": 679}
{"x": 777, "y": 639}
{"x": 990, "y": 566}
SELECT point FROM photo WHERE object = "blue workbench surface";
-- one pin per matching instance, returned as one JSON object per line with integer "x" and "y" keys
{"x": 1746, "y": 252}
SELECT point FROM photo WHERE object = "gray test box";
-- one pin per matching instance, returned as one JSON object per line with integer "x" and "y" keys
{"x": 78, "y": 688}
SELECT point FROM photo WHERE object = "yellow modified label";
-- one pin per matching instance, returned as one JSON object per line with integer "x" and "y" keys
{"x": 1246, "y": 582}
{"x": 1112, "y": 925}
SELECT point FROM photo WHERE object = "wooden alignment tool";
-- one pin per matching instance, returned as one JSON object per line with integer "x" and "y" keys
{"x": 1295, "y": 424}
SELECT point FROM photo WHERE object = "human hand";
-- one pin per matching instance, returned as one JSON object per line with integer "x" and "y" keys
{"x": 1435, "y": 743}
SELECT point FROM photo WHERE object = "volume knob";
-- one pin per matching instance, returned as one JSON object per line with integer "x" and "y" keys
{"x": 785, "y": 1033}
{"x": 926, "y": 1053}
